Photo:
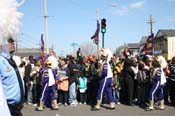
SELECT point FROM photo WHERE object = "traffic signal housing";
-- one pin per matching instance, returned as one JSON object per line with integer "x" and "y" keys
{"x": 103, "y": 25}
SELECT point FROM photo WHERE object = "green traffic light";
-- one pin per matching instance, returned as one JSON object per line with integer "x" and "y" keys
{"x": 103, "y": 30}
{"x": 103, "y": 25}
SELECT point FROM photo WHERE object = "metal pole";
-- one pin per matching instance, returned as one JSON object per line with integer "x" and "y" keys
{"x": 46, "y": 25}
{"x": 151, "y": 24}
{"x": 103, "y": 40}
{"x": 97, "y": 15}
{"x": 151, "y": 21}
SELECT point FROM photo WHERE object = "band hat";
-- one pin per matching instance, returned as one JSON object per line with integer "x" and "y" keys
{"x": 9, "y": 23}
{"x": 161, "y": 61}
{"x": 9, "y": 20}
{"x": 106, "y": 53}
{"x": 52, "y": 62}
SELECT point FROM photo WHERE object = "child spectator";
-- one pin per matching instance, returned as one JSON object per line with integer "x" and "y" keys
{"x": 82, "y": 88}
{"x": 116, "y": 84}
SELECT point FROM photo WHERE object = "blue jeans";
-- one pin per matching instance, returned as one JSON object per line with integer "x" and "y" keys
{"x": 72, "y": 93}
{"x": 116, "y": 95}
{"x": 29, "y": 93}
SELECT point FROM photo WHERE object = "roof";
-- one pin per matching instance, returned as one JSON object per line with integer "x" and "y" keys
{"x": 143, "y": 40}
{"x": 165, "y": 33}
{"x": 24, "y": 52}
{"x": 132, "y": 45}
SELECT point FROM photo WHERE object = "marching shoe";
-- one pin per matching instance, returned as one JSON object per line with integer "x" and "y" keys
{"x": 149, "y": 109}
{"x": 95, "y": 109}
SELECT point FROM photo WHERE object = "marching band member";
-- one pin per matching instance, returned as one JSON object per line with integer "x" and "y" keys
{"x": 105, "y": 84}
{"x": 50, "y": 75}
{"x": 159, "y": 80}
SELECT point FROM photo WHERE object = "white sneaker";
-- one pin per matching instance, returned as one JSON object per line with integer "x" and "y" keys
{"x": 35, "y": 105}
{"x": 30, "y": 103}
{"x": 65, "y": 104}
{"x": 74, "y": 103}
{"x": 59, "y": 104}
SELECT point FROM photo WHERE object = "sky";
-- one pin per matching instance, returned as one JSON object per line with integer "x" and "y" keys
{"x": 74, "y": 21}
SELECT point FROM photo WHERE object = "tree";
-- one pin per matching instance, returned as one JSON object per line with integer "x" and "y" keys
{"x": 88, "y": 48}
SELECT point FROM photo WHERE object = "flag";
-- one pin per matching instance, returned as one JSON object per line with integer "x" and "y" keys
{"x": 95, "y": 37}
{"x": 42, "y": 44}
{"x": 42, "y": 55}
{"x": 148, "y": 47}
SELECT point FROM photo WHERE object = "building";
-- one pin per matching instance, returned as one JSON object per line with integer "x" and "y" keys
{"x": 134, "y": 48}
{"x": 164, "y": 43}
{"x": 142, "y": 44}
{"x": 25, "y": 52}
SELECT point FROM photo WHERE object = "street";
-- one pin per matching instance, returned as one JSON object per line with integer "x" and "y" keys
{"x": 85, "y": 110}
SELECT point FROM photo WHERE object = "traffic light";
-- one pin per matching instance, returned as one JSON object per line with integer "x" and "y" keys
{"x": 103, "y": 25}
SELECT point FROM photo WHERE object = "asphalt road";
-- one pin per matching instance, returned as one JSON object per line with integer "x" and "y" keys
{"x": 85, "y": 110}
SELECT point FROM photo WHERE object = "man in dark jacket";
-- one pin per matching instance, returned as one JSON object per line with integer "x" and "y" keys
{"x": 72, "y": 81}
{"x": 29, "y": 81}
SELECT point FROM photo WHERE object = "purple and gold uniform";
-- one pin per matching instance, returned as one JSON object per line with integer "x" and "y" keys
{"x": 157, "y": 86}
{"x": 105, "y": 82}
{"x": 49, "y": 86}
{"x": 158, "y": 82}
{"x": 50, "y": 75}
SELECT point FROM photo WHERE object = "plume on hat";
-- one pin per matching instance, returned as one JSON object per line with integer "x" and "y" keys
{"x": 106, "y": 52}
{"x": 52, "y": 62}
{"x": 162, "y": 61}
{"x": 9, "y": 20}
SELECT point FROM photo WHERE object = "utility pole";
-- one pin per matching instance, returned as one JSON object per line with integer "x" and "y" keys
{"x": 151, "y": 21}
{"x": 46, "y": 25}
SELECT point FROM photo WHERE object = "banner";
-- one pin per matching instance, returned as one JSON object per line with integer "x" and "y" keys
{"x": 148, "y": 47}
{"x": 95, "y": 37}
